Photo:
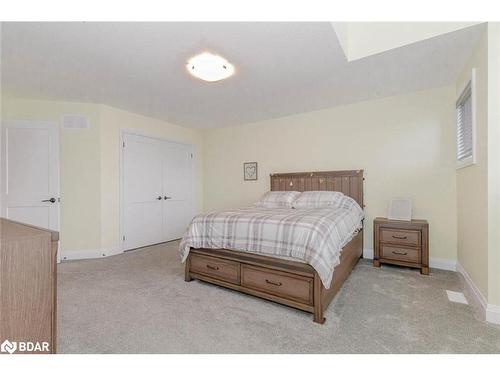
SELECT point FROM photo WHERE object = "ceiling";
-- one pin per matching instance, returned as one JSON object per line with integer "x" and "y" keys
{"x": 281, "y": 68}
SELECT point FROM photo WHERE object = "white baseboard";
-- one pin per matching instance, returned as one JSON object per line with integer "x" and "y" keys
{"x": 443, "y": 264}
{"x": 368, "y": 253}
{"x": 89, "y": 254}
{"x": 478, "y": 300}
{"x": 489, "y": 312}
{"x": 439, "y": 263}
{"x": 493, "y": 313}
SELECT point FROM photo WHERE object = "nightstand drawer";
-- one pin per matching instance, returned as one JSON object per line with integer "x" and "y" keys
{"x": 404, "y": 254}
{"x": 400, "y": 236}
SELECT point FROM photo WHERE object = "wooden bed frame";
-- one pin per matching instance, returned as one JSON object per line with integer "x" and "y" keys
{"x": 290, "y": 283}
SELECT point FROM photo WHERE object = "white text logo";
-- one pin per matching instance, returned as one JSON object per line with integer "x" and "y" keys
{"x": 24, "y": 346}
{"x": 9, "y": 347}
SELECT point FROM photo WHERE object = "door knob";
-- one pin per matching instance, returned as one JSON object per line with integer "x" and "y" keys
{"x": 165, "y": 197}
{"x": 51, "y": 200}
{"x": 159, "y": 198}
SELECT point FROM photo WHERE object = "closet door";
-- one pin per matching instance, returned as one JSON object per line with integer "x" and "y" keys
{"x": 142, "y": 191}
{"x": 177, "y": 189}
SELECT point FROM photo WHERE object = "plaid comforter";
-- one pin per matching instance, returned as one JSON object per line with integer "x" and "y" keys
{"x": 314, "y": 236}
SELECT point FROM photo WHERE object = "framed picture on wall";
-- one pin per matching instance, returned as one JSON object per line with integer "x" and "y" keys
{"x": 250, "y": 171}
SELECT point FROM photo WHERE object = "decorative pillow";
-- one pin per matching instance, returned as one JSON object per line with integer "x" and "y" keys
{"x": 277, "y": 199}
{"x": 318, "y": 199}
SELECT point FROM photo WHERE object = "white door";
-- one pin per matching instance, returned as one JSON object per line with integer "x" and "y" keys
{"x": 157, "y": 190}
{"x": 30, "y": 173}
{"x": 142, "y": 192}
{"x": 178, "y": 189}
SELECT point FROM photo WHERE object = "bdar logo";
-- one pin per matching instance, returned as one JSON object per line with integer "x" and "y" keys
{"x": 8, "y": 347}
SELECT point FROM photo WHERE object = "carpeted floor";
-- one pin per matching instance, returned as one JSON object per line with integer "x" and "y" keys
{"x": 138, "y": 302}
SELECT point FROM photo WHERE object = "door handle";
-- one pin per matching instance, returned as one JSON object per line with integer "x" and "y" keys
{"x": 159, "y": 198}
{"x": 51, "y": 200}
{"x": 165, "y": 197}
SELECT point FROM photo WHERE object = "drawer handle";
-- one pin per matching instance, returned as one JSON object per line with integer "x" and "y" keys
{"x": 277, "y": 283}
{"x": 400, "y": 237}
{"x": 210, "y": 267}
{"x": 398, "y": 253}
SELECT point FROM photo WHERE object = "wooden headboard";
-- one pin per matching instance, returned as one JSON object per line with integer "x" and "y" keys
{"x": 348, "y": 182}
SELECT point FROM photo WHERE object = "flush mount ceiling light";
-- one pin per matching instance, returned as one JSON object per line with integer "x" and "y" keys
{"x": 209, "y": 67}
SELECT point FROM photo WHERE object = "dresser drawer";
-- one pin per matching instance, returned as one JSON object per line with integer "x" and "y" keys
{"x": 281, "y": 284}
{"x": 217, "y": 268}
{"x": 400, "y": 236}
{"x": 404, "y": 254}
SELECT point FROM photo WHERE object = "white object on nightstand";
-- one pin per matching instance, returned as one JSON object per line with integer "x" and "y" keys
{"x": 400, "y": 209}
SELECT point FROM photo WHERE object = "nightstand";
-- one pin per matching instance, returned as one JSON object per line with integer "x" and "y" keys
{"x": 403, "y": 243}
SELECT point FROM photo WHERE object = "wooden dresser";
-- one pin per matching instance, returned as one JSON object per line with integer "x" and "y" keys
{"x": 27, "y": 287}
{"x": 403, "y": 243}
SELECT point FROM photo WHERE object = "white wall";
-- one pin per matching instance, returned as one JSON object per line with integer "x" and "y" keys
{"x": 405, "y": 144}
{"x": 362, "y": 39}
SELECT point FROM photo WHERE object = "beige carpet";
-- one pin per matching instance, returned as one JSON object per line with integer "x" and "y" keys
{"x": 138, "y": 302}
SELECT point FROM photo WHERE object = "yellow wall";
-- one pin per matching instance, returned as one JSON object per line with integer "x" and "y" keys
{"x": 79, "y": 167}
{"x": 494, "y": 163}
{"x": 405, "y": 144}
{"x": 408, "y": 137}
{"x": 89, "y": 165}
{"x": 472, "y": 181}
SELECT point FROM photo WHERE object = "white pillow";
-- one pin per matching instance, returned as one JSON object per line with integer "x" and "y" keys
{"x": 318, "y": 199}
{"x": 278, "y": 199}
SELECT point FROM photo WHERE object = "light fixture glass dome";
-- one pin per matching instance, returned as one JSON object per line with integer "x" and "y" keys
{"x": 209, "y": 67}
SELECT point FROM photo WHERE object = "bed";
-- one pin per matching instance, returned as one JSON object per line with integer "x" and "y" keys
{"x": 283, "y": 279}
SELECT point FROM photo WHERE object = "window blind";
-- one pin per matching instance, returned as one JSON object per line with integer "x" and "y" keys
{"x": 464, "y": 126}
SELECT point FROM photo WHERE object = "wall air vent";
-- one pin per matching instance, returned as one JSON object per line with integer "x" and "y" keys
{"x": 75, "y": 122}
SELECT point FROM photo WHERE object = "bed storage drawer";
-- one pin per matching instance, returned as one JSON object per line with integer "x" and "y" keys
{"x": 217, "y": 268}
{"x": 403, "y": 237}
{"x": 404, "y": 254}
{"x": 282, "y": 284}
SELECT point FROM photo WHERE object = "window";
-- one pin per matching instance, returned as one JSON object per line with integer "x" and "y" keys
{"x": 465, "y": 126}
